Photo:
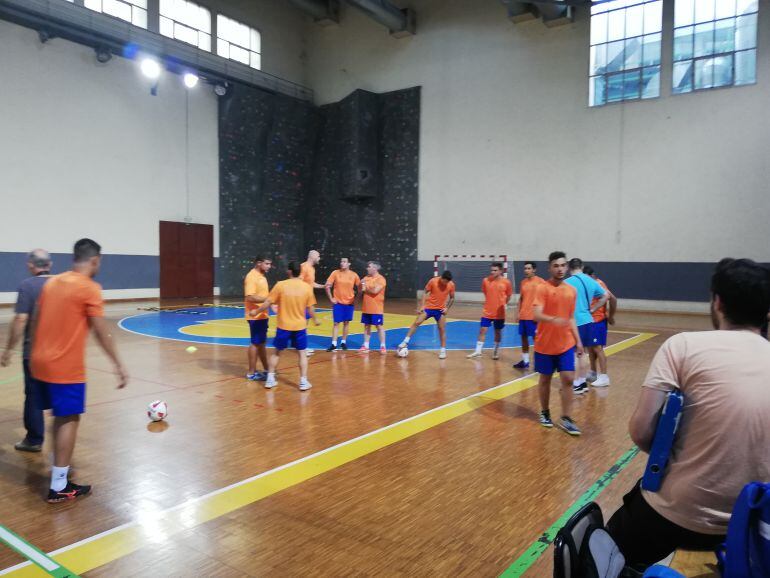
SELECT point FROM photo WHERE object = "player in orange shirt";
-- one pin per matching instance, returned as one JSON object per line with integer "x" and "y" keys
{"x": 307, "y": 274}
{"x": 373, "y": 305}
{"x": 556, "y": 341}
{"x": 295, "y": 302}
{"x": 344, "y": 282}
{"x": 438, "y": 297}
{"x": 527, "y": 324}
{"x": 497, "y": 293}
{"x": 70, "y": 304}
{"x": 255, "y": 291}
{"x": 601, "y": 316}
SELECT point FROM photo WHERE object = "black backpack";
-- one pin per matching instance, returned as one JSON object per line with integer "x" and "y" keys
{"x": 584, "y": 549}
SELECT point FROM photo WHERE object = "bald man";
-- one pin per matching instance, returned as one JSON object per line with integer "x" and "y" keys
{"x": 39, "y": 266}
{"x": 307, "y": 274}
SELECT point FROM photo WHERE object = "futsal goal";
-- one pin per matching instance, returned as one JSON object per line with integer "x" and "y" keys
{"x": 468, "y": 270}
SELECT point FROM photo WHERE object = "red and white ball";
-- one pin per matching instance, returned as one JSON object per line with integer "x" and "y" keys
{"x": 157, "y": 410}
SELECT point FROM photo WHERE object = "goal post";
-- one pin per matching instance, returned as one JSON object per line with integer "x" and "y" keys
{"x": 466, "y": 266}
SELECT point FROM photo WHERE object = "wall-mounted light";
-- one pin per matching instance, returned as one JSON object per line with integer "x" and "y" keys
{"x": 190, "y": 79}
{"x": 103, "y": 54}
{"x": 150, "y": 68}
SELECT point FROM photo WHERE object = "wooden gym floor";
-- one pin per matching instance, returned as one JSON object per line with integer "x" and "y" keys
{"x": 387, "y": 466}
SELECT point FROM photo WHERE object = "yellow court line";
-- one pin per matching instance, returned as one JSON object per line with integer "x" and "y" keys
{"x": 123, "y": 540}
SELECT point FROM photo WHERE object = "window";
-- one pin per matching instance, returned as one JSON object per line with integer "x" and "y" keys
{"x": 715, "y": 44}
{"x": 187, "y": 22}
{"x": 238, "y": 42}
{"x": 133, "y": 11}
{"x": 625, "y": 51}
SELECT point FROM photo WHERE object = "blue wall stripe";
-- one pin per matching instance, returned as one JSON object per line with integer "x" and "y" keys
{"x": 117, "y": 271}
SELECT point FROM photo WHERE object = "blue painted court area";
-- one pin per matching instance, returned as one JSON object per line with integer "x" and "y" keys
{"x": 227, "y": 326}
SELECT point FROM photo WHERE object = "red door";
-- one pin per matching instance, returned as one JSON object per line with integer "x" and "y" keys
{"x": 186, "y": 260}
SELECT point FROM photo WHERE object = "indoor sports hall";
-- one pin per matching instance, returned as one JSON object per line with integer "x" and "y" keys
{"x": 487, "y": 167}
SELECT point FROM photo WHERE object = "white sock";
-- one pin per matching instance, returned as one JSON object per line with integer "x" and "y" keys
{"x": 342, "y": 341}
{"x": 443, "y": 350}
{"x": 366, "y": 342}
{"x": 303, "y": 380}
{"x": 407, "y": 339}
{"x": 271, "y": 375}
{"x": 479, "y": 346}
{"x": 525, "y": 357}
{"x": 334, "y": 342}
{"x": 579, "y": 381}
{"x": 59, "y": 478}
{"x": 382, "y": 343}
{"x": 497, "y": 346}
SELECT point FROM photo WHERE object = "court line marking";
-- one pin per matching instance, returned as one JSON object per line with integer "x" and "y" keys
{"x": 20, "y": 545}
{"x": 539, "y": 546}
{"x": 155, "y": 527}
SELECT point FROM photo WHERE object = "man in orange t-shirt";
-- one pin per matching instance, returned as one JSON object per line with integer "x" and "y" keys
{"x": 527, "y": 324}
{"x": 438, "y": 297}
{"x": 601, "y": 317}
{"x": 497, "y": 293}
{"x": 70, "y": 304}
{"x": 373, "y": 306}
{"x": 307, "y": 274}
{"x": 255, "y": 291}
{"x": 295, "y": 301}
{"x": 344, "y": 282}
{"x": 556, "y": 341}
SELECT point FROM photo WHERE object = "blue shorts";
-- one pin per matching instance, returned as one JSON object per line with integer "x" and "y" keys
{"x": 600, "y": 333}
{"x": 547, "y": 364}
{"x": 342, "y": 313}
{"x": 433, "y": 314}
{"x": 587, "y": 334}
{"x": 63, "y": 398}
{"x": 283, "y": 337}
{"x": 498, "y": 323}
{"x": 258, "y": 331}
{"x": 372, "y": 318}
{"x": 527, "y": 327}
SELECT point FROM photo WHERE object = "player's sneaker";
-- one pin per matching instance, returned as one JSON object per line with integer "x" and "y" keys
{"x": 401, "y": 346}
{"x": 270, "y": 382}
{"x": 305, "y": 385}
{"x": 569, "y": 426}
{"x": 332, "y": 347}
{"x": 474, "y": 355}
{"x": 383, "y": 350}
{"x": 309, "y": 352}
{"x": 591, "y": 376}
{"x": 579, "y": 389}
{"x": 25, "y": 446}
{"x": 70, "y": 492}
{"x": 256, "y": 376}
{"x": 601, "y": 381}
{"x": 521, "y": 365}
{"x": 442, "y": 354}
{"x": 363, "y": 349}
{"x": 545, "y": 419}
{"x": 344, "y": 346}
{"x": 496, "y": 354}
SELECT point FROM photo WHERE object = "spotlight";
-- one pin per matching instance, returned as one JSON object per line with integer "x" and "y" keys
{"x": 220, "y": 89}
{"x": 190, "y": 80}
{"x": 103, "y": 54}
{"x": 150, "y": 68}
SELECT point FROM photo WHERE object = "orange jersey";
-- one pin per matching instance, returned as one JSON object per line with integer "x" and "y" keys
{"x": 527, "y": 296}
{"x": 345, "y": 283}
{"x": 293, "y": 297}
{"x": 307, "y": 274}
{"x": 255, "y": 283}
{"x": 556, "y": 301}
{"x": 66, "y": 303}
{"x": 497, "y": 292}
{"x": 601, "y": 313}
{"x": 438, "y": 293}
{"x": 374, "y": 304}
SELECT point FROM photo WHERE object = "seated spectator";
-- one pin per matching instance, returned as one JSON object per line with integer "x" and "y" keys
{"x": 723, "y": 441}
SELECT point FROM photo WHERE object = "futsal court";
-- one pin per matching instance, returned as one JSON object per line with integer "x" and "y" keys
{"x": 204, "y": 161}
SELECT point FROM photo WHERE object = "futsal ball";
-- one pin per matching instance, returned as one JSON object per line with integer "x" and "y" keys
{"x": 403, "y": 352}
{"x": 191, "y": 349}
{"x": 157, "y": 410}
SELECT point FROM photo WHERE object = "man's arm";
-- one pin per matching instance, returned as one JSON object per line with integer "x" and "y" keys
{"x": 328, "y": 288}
{"x": 600, "y": 303}
{"x": 265, "y": 304}
{"x": 104, "y": 338}
{"x": 254, "y": 298}
{"x": 449, "y": 303}
{"x": 576, "y": 335}
{"x": 645, "y": 419}
{"x": 612, "y": 306}
{"x": 425, "y": 294}
{"x": 14, "y": 334}
{"x": 311, "y": 310}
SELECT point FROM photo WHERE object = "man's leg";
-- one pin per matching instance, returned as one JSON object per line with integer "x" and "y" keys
{"x": 524, "y": 363}
{"x": 302, "y": 365}
{"x": 65, "y": 430}
{"x": 33, "y": 413}
{"x": 479, "y": 342}
{"x": 252, "y": 359}
{"x": 602, "y": 379}
{"x": 567, "y": 395}
{"x": 345, "y": 330}
{"x": 498, "y": 340}
{"x": 441, "y": 323}
{"x": 645, "y": 537}
{"x": 262, "y": 353}
{"x": 272, "y": 365}
{"x": 381, "y": 335}
{"x": 419, "y": 320}
{"x": 544, "y": 391}
{"x": 367, "y": 338}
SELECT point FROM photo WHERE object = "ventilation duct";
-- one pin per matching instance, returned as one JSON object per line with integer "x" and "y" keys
{"x": 401, "y": 23}
{"x": 324, "y": 12}
{"x": 553, "y": 13}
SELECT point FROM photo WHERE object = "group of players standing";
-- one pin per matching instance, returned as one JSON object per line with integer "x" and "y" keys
{"x": 564, "y": 316}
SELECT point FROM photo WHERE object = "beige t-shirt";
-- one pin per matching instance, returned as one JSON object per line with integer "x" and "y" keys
{"x": 723, "y": 441}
